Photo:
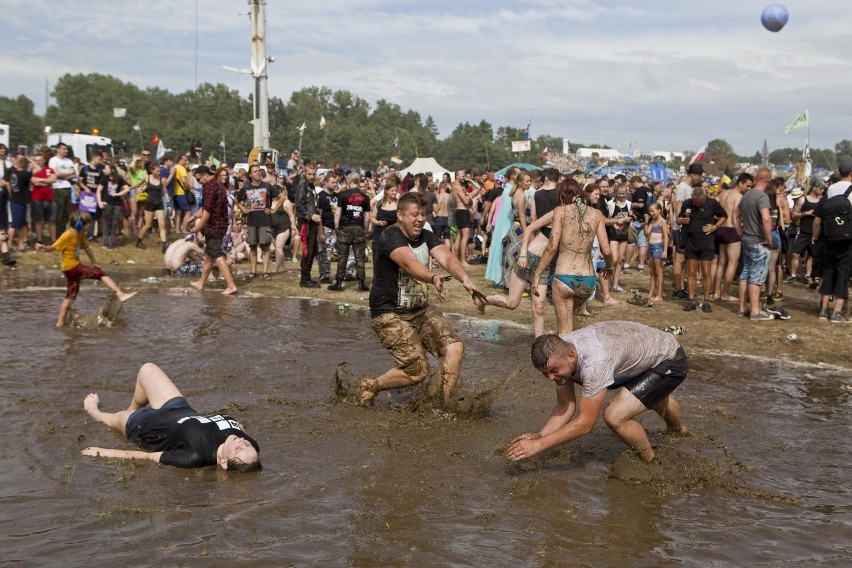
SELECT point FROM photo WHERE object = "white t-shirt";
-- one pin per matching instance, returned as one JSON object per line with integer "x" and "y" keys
{"x": 683, "y": 191}
{"x": 838, "y": 188}
{"x": 61, "y": 166}
{"x": 611, "y": 351}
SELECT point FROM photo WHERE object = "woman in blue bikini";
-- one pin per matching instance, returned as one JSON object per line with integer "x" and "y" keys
{"x": 574, "y": 228}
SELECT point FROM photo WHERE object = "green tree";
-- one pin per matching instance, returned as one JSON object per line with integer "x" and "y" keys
{"x": 25, "y": 128}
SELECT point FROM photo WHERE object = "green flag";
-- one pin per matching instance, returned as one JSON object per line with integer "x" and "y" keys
{"x": 798, "y": 122}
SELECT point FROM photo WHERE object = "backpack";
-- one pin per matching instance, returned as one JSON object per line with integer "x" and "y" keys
{"x": 837, "y": 218}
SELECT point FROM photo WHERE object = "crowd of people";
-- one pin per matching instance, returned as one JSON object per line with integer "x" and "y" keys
{"x": 542, "y": 233}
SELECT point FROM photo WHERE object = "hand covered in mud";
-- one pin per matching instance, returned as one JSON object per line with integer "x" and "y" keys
{"x": 534, "y": 287}
{"x": 523, "y": 447}
{"x": 606, "y": 273}
{"x": 439, "y": 288}
{"x": 93, "y": 451}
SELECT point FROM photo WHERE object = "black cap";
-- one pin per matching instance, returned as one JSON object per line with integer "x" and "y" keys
{"x": 203, "y": 170}
{"x": 696, "y": 169}
{"x": 844, "y": 166}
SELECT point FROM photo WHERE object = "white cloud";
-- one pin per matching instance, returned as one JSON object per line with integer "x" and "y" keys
{"x": 665, "y": 74}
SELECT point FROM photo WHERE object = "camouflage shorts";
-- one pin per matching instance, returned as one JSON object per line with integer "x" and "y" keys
{"x": 409, "y": 336}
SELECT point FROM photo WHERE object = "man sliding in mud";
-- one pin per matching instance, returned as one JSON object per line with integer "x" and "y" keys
{"x": 643, "y": 363}
{"x": 160, "y": 421}
{"x": 401, "y": 316}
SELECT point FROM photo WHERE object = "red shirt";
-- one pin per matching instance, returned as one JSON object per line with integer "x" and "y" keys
{"x": 214, "y": 200}
{"x": 42, "y": 192}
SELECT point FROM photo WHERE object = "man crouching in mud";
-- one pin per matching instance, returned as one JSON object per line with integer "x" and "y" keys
{"x": 401, "y": 316}
{"x": 646, "y": 364}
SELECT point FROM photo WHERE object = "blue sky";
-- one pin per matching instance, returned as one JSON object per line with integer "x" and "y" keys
{"x": 661, "y": 74}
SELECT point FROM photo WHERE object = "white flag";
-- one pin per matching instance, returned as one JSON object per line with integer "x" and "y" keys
{"x": 322, "y": 122}
{"x": 161, "y": 150}
{"x": 119, "y": 112}
{"x": 521, "y": 146}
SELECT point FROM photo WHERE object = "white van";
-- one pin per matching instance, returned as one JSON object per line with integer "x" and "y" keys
{"x": 82, "y": 146}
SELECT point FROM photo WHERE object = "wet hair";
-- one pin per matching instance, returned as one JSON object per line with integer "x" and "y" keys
{"x": 242, "y": 467}
{"x": 412, "y": 198}
{"x": 745, "y": 178}
{"x": 569, "y": 190}
{"x": 544, "y": 347}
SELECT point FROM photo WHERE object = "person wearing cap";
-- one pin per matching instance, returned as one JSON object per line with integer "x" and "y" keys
{"x": 803, "y": 213}
{"x": 683, "y": 191}
{"x": 836, "y": 255}
{"x": 213, "y": 224}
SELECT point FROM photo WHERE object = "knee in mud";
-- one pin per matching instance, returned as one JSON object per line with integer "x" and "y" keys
{"x": 417, "y": 371}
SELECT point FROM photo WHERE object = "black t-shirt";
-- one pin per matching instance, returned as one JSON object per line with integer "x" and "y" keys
{"x": 393, "y": 290}
{"x": 90, "y": 177}
{"x": 806, "y": 222}
{"x": 110, "y": 188}
{"x": 186, "y": 438}
{"x": 640, "y": 195}
{"x": 257, "y": 198}
{"x": 546, "y": 200}
{"x": 698, "y": 217}
{"x": 4, "y": 203}
{"x": 326, "y": 204}
{"x": 19, "y": 186}
{"x": 354, "y": 204}
{"x": 495, "y": 192}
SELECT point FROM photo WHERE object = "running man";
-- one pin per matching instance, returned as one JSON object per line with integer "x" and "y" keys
{"x": 160, "y": 421}
{"x": 648, "y": 363}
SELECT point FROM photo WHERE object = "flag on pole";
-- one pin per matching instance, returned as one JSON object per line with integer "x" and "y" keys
{"x": 527, "y": 130}
{"x": 764, "y": 155}
{"x": 798, "y": 122}
{"x": 161, "y": 148}
{"x": 396, "y": 142}
{"x": 155, "y": 139}
{"x": 222, "y": 141}
{"x": 119, "y": 112}
{"x": 727, "y": 177}
{"x": 136, "y": 127}
{"x": 806, "y": 156}
{"x": 322, "y": 122}
{"x": 698, "y": 156}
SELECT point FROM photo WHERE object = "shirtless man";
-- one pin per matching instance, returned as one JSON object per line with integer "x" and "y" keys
{"x": 179, "y": 251}
{"x": 573, "y": 232}
{"x": 728, "y": 239}
{"x": 441, "y": 226}
{"x": 463, "y": 202}
{"x": 160, "y": 421}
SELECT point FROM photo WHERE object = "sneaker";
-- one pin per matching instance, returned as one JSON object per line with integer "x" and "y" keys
{"x": 309, "y": 284}
{"x": 325, "y": 280}
{"x": 824, "y": 315}
{"x": 809, "y": 280}
{"x": 625, "y": 266}
{"x": 690, "y": 306}
{"x": 682, "y": 294}
{"x": 777, "y": 313}
{"x": 743, "y": 313}
{"x": 838, "y": 317}
{"x": 761, "y": 316}
{"x": 641, "y": 268}
{"x": 706, "y": 307}
{"x": 792, "y": 279}
{"x": 618, "y": 289}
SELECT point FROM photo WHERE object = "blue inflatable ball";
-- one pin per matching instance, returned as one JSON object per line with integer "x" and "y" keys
{"x": 774, "y": 17}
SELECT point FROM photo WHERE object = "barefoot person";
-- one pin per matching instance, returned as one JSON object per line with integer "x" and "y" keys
{"x": 74, "y": 270}
{"x": 645, "y": 364}
{"x": 160, "y": 421}
{"x": 399, "y": 304}
{"x": 213, "y": 223}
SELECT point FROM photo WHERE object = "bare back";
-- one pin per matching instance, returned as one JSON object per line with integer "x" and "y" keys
{"x": 577, "y": 226}
{"x": 442, "y": 198}
{"x": 729, "y": 199}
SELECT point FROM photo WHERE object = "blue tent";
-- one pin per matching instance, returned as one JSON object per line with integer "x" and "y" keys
{"x": 522, "y": 165}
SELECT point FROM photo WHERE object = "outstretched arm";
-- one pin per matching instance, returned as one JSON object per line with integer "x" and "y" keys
{"x": 552, "y": 245}
{"x": 121, "y": 454}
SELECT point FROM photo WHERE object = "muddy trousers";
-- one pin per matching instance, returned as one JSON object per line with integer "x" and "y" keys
{"x": 351, "y": 237}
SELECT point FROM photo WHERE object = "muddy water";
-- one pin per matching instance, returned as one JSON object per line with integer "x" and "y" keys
{"x": 764, "y": 480}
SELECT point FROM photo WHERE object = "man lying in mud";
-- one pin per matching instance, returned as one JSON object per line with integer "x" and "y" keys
{"x": 160, "y": 421}
{"x": 644, "y": 364}
{"x": 399, "y": 304}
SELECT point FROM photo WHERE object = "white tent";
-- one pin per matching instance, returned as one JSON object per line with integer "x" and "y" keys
{"x": 423, "y": 165}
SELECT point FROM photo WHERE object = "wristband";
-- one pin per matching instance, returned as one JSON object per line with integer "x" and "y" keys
{"x": 522, "y": 256}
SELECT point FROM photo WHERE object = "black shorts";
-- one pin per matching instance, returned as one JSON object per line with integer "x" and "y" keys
{"x": 213, "y": 248}
{"x": 700, "y": 253}
{"x": 136, "y": 421}
{"x": 462, "y": 219}
{"x": 803, "y": 244}
{"x": 655, "y": 384}
{"x": 153, "y": 205}
{"x": 441, "y": 227}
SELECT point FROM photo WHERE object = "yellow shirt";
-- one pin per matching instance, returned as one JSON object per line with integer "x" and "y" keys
{"x": 180, "y": 176}
{"x": 67, "y": 244}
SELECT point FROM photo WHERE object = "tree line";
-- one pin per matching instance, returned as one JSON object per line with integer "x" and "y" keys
{"x": 357, "y": 133}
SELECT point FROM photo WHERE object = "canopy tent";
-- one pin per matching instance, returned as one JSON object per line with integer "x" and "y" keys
{"x": 423, "y": 165}
{"x": 522, "y": 165}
